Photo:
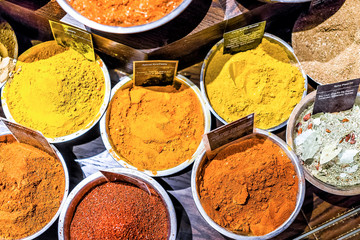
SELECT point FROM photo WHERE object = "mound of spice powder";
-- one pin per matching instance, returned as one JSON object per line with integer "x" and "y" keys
{"x": 260, "y": 80}
{"x": 124, "y": 13}
{"x": 250, "y": 187}
{"x": 32, "y": 185}
{"x": 155, "y": 128}
{"x": 117, "y": 210}
{"x": 57, "y": 91}
{"x": 326, "y": 40}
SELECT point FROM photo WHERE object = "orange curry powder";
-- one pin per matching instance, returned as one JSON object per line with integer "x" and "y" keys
{"x": 250, "y": 187}
{"x": 124, "y": 13}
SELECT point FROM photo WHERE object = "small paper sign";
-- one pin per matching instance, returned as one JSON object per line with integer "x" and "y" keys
{"x": 111, "y": 177}
{"x": 245, "y": 38}
{"x": 76, "y": 38}
{"x": 336, "y": 97}
{"x": 29, "y": 136}
{"x": 228, "y": 133}
{"x": 155, "y": 73}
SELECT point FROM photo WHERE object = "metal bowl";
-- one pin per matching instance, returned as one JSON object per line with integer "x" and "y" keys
{"x": 305, "y": 103}
{"x": 197, "y": 170}
{"x": 96, "y": 179}
{"x": 220, "y": 44}
{"x": 7, "y": 136}
{"x": 201, "y": 148}
{"x": 123, "y": 30}
{"x": 86, "y": 128}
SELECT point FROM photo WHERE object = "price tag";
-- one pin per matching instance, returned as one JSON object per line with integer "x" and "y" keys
{"x": 76, "y": 38}
{"x": 228, "y": 133}
{"x": 336, "y": 97}
{"x": 245, "y": 38}
{"x": 29, "y": 136}
{"x": 154, "y": 73}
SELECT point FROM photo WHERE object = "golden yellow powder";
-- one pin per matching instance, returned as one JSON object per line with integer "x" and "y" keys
{"x": 261, "y": 81}
{"x": 58, "y": 96}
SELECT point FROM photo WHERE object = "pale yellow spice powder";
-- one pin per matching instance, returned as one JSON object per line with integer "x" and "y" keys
{"x": 261, "y": 81}
{"x": 58, "y": 96}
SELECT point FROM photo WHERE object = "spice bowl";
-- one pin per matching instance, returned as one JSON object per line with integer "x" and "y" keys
{"x": 31, "y": 53}
{"x": 218, "y": 46}
{"x": 96, "y": 179}
{"x": 196, "y": 177}
{"x": 127, "y": 81}
{"x": 298, "y": 110}
{"x": 123, "y": 30}
{"x": 8, "y": 137}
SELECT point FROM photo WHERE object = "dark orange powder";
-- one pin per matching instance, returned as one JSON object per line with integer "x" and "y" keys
{"x": 250, "y": 187}
{"x": 124, "y": 13}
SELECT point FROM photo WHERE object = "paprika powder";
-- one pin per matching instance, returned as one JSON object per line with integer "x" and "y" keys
{"x": 250, "y": 187}
{"x": 118, "y": 210}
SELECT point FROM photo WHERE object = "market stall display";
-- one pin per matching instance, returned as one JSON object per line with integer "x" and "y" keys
{"x": 264, "y": 201}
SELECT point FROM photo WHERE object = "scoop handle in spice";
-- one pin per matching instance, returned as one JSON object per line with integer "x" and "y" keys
{"x": 29, "y": 136}
{"x": 111, "y": 177}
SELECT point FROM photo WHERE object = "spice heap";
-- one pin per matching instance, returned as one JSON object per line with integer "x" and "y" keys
{"x": 250, "y": 187}
{"x": 118, "y": 210}
{"x": 56, "y": 94}
{"x": 124, "y": 13}
{"x": 327, "y": 39}
{"x": 260, "y": 80}
{"x": 7, "y": 50}
{"x": 328, "y": 144}
{"x": 155, "y": 128}
{"x": 32, "y": 185}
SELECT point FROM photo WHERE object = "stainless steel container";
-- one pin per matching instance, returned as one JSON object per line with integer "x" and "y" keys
{"x": 7, "y": 136}
{"x": 86, "y": 128}
{"x": 207, "y": 120}
{"x": 96, "y": 179}
{"x": 220, "y": 44}
{"x": 201, "y": 161}
{"x": 305, "y": 103}
{"x": 123, "y": 30}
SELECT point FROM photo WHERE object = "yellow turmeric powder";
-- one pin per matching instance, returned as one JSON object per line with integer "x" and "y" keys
{"x": 155, "y": 128}
{"x": 260, "y": 80}
{"x": 57, "y": 95}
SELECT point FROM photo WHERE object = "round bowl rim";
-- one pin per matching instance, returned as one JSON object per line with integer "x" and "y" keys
{"x": 299, "y": 200}
{"x": 200, "y": 149}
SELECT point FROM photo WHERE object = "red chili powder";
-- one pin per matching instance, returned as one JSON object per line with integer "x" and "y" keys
{"x": 117, "y": 210}
{"x": 124, "y": 13}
